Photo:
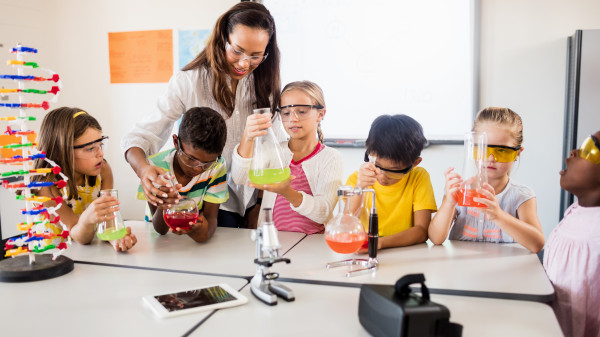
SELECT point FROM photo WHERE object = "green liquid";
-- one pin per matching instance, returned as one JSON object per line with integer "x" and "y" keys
{"x": 112, "y": 234}
{"x": 269, "y": 176}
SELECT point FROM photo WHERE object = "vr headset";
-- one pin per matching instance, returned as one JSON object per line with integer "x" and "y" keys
{"x": 395, "y": 311}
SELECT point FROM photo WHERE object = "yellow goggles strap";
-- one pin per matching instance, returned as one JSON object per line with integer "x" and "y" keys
{"x": 589, "y": 150}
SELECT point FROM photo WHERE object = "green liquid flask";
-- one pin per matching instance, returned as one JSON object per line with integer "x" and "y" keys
{"x": 267, "y": 165}
{"x": 112, "y": 229}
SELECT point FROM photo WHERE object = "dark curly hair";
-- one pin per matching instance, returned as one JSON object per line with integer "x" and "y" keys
{"x": 203, "y": 128}
{"x": 396, "y": 137}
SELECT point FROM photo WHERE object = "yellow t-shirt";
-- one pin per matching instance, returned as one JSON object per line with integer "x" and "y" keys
{"x": 397, "y": 203}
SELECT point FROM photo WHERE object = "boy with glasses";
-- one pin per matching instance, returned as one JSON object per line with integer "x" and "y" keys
{"x": 403, "y": 191}
{"x": 197, "y": 170}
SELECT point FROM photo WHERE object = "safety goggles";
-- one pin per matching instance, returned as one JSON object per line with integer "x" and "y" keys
{"x": 90, "y": 149}
{"x": 501, "y": 153}
{"x": 192, "y": 162}
{"x": 392, "y": 174}
{"x": 300, "y": 111}
{"x": 590, "y": 150}
{"x": 240, "y": 56}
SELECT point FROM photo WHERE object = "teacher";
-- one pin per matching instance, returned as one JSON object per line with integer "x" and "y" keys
{"x": 237, "y": 71}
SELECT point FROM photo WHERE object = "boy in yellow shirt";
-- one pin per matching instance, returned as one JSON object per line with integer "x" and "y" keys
{"x": 403, "y": 192}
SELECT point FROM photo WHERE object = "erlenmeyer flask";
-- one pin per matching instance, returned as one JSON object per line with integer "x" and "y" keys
{"x": 114, "y": 228}
{"x": 474, "y": 172}
{"x": 181, "y": 214}
{"x": 344, "y": 233}
{"x": 267, "y": 165}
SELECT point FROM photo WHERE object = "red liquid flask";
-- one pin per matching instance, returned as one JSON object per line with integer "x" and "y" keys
{"x": 464, "y": 197}
{"x": 181, "y": 214}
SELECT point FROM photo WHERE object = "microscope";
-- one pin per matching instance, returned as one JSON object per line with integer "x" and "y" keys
{"x": 263, "y": 284}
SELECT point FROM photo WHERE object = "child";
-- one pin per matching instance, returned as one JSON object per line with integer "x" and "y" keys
{"x": 403, "y": 192}
{"x": 199, "y": 170}
{"x": 572, "y": 254}
{"x": 511, "y": 208}
{"x": 304, "y": 202}
{"x": 73, "y": 139}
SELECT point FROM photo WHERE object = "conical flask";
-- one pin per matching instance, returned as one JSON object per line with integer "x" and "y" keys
{"x": 112, "y": 229}
{"x": 344, "y": 233}
{"x": 181, "y": 214}
{"x": 267, "y": 165}
{"x": 474, "y": 172}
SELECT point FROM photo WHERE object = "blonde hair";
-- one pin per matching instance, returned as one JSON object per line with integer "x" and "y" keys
{"x": 314, "y": 92}
{"x": 503, "y": 116}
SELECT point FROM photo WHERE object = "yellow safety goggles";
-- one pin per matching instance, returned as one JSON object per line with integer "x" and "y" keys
{"x": 501, "y": 153}
{"x": 590, "y": 150}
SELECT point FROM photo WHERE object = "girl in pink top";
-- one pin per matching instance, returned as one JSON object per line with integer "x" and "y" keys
{"x": 304, "y": 202}
{"x": 572, "y": 255}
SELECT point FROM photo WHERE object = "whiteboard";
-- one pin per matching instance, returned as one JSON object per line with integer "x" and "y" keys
{"x": 383, "y": 57}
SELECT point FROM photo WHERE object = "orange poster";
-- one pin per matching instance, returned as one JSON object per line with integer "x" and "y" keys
{"x": 141, "y": 57}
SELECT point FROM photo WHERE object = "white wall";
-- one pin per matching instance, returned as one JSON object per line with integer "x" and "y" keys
{"x": 523, "y": 62}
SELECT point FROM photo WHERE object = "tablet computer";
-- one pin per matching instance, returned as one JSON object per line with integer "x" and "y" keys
{"x": 194, "y": 300}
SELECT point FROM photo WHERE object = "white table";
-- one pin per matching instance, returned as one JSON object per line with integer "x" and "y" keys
{"x": 470, "y": 268}
{"x": 98, "y": 301}
{"x": 229, "y": 252}
{"x": 321, "y": 310}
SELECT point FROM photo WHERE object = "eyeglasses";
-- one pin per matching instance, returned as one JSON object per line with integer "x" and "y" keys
{"x": 300, "y": 111}
{"x": 91, "y": 149}
{"x": 192, "y": 162}
{"x": 501, "y": 153}
{"x": 392, "y": 174}
{"x": 590, "y": 150}
{"x": 241, "y": 56}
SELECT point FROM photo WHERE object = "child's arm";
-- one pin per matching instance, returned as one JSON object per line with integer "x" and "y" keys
{"x": 206, "y": 224}
{"x": 525, "y": 229}
{"x": 442, "y": 220}
{"x": 82, "y": 227}
{"x": 411, "y": 236}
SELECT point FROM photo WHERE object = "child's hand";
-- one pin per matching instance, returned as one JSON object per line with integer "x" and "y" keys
{"x": 101, "y": 209}
{"x": 200, "y": 224}
{"x": 125, "y": 243}
{"x": 280, "y": 188}
{"x": 453, "y": 182}
{"x": 367, "y": 175}
{"x": 257, "y": 125}
{"x": 492, "y": 210}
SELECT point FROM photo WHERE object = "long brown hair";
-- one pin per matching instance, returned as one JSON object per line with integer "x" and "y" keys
{"x": 58, "y": 132}
{"x": 266, "y": 75}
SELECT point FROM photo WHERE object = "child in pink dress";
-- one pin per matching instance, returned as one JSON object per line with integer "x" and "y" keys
{"x": 572, "y": 255}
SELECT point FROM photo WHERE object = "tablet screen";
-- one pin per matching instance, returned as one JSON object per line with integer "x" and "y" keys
{"x": 194, "y": 298}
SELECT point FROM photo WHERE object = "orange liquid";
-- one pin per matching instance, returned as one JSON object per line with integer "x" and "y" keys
{"x": 464, "y": 197}
{"x": 345, "y": 243}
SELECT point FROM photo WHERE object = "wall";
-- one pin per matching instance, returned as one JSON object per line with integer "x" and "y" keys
{"x": 523, "y": 62}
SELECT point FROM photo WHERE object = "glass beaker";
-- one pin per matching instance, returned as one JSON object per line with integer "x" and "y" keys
{"x": 267, "y": 165}
{"x": 474, "y": 172}
{"x": 112, "y": 229}
{"x": 181, "y": 214}
{"x": 344, "y": 233}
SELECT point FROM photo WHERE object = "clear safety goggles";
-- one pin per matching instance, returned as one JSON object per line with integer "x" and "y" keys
{"x": 90, "y": 149}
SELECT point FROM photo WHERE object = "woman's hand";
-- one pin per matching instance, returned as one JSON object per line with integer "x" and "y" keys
{"x": 367, "y": 175}
{"x": 125, "y": 243}
{"x": 101, "y": 209}
{"x": 151, "y": 177}
{"x": 453, "y": 182}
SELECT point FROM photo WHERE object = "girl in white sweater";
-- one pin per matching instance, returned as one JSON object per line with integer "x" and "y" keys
{"x": 304, "y": 202}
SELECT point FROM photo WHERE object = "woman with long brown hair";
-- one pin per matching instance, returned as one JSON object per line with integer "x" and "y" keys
{"x": 237, "y": 71}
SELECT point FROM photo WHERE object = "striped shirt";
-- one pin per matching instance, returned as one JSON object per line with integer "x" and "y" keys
{"x": 209, "y": 186}
{"x": 287, "y": 219}
{"x": 467, "y": 226}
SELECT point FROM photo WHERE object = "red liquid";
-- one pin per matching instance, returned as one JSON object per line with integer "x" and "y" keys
{"x": 181, "y": 220}
{"x": 345, "y": 243}
{"x": 464, "y": 197}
